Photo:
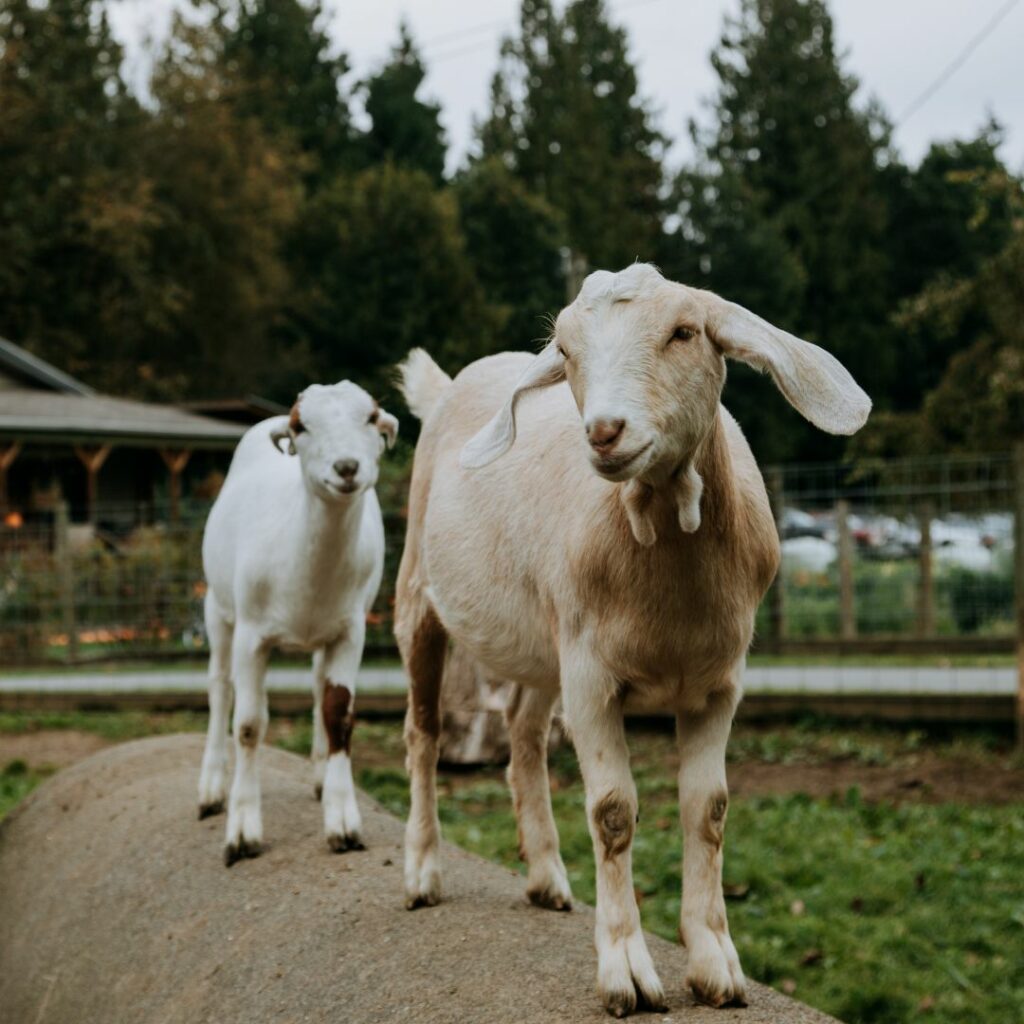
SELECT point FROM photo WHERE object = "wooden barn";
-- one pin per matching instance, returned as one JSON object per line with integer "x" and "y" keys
{"x": 113, "y": 461}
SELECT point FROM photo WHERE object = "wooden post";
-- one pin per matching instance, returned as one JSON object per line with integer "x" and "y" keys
{"x": 7, "y": 457}
{"x": 1018, "y": 577}
{"x": 777, "y": 594}
{"x": 66, "y": 580}
{"x": 175, "y": 461}
{"x": 926, "y": 586}
{"x": 92, "y": 459}
{"x": 847, "y": 613}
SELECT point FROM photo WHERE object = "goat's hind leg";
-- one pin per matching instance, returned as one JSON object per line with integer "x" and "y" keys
{"x": 244, "y": 834}
{"x": 713, "y": 970}
{"x": 213, "y": 776}
{"x": 528, "y": 716}
{"x": 423, "y": 642}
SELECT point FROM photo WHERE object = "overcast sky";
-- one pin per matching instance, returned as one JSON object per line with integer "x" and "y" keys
{"x": 897, "y": 48}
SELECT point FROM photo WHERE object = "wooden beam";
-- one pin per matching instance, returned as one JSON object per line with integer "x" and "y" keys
{"x": 7, "y": 457}
{"x": 175, "y": 461}
{"x": 93, "y": 459}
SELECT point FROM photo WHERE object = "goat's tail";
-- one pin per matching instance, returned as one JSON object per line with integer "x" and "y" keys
{"x": 422, "y": 382}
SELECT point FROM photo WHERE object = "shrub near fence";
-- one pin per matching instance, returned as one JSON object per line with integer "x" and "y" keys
{"x": 917, "y": 550}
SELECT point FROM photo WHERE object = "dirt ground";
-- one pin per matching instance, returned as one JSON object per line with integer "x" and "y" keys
{"x": 49, "y": 748}
{"x": 928, "y": 776}
{"x": 933, "y": 779}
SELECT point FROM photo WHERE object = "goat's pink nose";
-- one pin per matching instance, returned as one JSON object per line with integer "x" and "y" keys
{"x": 602, "y": 434}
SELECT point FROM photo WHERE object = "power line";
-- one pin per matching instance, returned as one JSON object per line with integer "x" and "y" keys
{"x": 489, "y": 26}
{"x": 957, "y": 62}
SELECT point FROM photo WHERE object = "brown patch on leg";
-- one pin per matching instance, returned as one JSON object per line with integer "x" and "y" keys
{"x": 425, "y": 664}
{"x": 713, "y": 825}
{"x": 338, "y": 717}
{"x": 249, "y": 734}
{"x": 614, "y": 816}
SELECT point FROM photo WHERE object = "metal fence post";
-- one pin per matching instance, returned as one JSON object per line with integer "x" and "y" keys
{"x": 847, "y": 613}
{"x": 1018, "y": 580}
{"x": 926, "y": 592}
{"x": 777, "y": 594}
{"x": 66, "y": 580}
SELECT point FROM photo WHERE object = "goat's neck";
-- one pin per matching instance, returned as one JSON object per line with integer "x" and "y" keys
{"x": 326, "y": 532}
{"x": 702, "y": 478}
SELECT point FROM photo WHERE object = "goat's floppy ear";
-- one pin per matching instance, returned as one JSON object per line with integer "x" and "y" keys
{"x": 287, "y": 433}
{"x": 499, "y": 434}
{"x": 814, "y": 382}
{"x": 388, "y": 427}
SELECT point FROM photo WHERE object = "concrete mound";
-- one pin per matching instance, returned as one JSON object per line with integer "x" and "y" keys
{"x": 115, "y": 908}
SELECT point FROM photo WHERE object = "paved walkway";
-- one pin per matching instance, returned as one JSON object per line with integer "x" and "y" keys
{"x": 117, "y": 907}
{"x": 816, "y": 679}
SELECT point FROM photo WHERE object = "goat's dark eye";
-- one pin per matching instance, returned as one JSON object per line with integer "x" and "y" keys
{"x": 373, "y": 416}
{"x": 562, "y": 352}
{"x": 297, "y": 426}
{"x": 682, "y": 334}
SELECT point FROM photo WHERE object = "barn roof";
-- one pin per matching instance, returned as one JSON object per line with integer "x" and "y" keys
{"x": 32, "y": 371}
{"x": 91, "y": 419}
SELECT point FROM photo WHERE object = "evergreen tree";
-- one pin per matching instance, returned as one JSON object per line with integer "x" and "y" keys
{"x": 798, "y": 168}
{"x": 74, "y": 209}
{"x": 951, "y": 215}
{"x": 404, "y": 129}
{"x": 566, "y": 117}
{"x": 380, "y": 267}
{"x": 229, "y": 194}
{"x": 280, "y": 69}
{"x": 515, "y": 242}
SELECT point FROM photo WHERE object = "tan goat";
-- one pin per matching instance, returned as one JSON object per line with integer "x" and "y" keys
{"x": 621, "y": 561}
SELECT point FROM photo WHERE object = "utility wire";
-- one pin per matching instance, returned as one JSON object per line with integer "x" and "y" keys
{"x": 957, "y": 62}
{"x": 489, "y": 26}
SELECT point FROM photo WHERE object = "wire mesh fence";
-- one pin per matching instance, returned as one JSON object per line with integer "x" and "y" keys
{"x": 907, "y": 559}
{"x": 915, "y": 550}
{"x": 128, "y": 585}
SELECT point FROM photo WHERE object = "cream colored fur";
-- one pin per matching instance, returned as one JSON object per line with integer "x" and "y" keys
{"x": 612, "y": 578}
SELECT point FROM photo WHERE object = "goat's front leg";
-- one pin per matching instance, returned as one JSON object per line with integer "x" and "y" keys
{"x": 342, "y": 822}
{"x": 626, "y": 977}
{"x": 529, "y": 724}
{"x": 713, "y": 970}
{"x": 318, "y": 753}
{"x": 248, "y": 671}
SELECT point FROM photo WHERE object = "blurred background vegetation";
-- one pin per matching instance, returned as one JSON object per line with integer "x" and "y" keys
{"x": 235, "y": 231}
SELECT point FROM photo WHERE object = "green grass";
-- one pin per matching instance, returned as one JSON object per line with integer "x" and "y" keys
{"x": 875, "y": 913}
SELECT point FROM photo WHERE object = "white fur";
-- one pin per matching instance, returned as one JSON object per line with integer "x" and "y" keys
{"x": 293, "y": 553}
{"x": 607, "y": 572}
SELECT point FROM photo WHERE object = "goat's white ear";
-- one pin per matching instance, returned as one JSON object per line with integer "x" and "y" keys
{"x": 388, "y": 426}
{"x": 499, "y": 434}
{"x": 813, "y": 381}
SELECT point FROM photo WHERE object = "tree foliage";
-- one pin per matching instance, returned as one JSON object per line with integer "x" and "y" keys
{"x": 568, "y": 120}
{"x": 404, "y": 129}
{"x": 242, "y": 230}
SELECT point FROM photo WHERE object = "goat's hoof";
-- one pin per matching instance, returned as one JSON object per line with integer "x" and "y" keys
{"x": 318, "y": 790}
{"x": 549, "y": 899}
{"x": 210, "y": 809}
{"x": 620, "y": 1004}
{"x": 716, "y": 996}
{"x": 340, "y": 843}
{"x": 421, "y": 899}
{"x": 242, "y": 849}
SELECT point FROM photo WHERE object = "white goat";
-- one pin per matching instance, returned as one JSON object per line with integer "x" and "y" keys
{"x": 621, "y": 561}
{"x": 293, "y": 553}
